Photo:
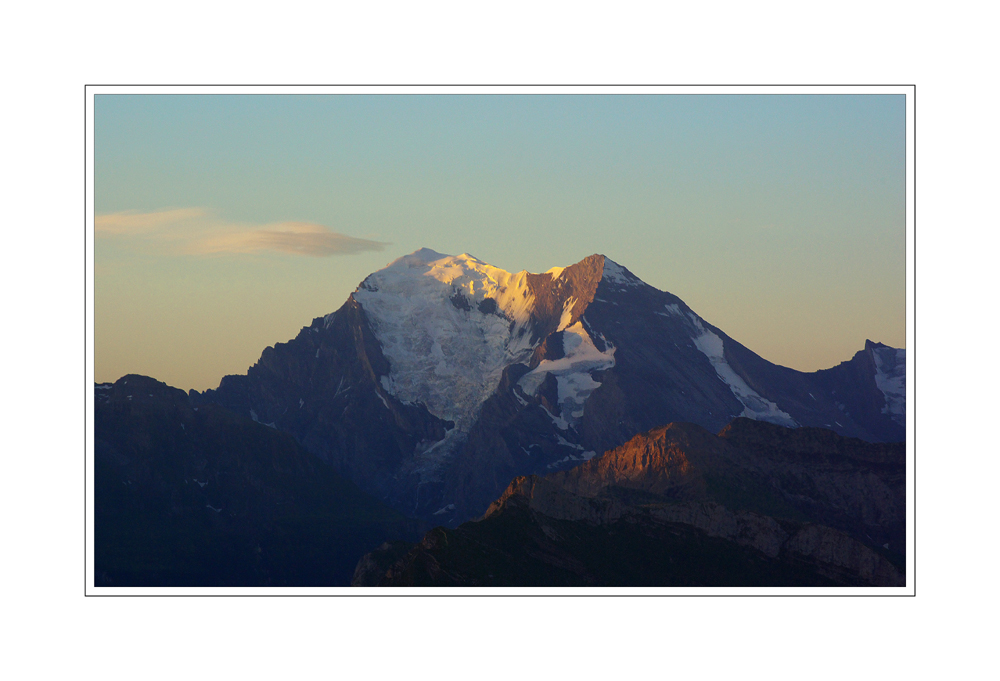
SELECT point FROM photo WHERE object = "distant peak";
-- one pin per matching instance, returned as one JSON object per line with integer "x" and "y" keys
{"x": 875, "y": 345}
{"x": 428, "y": 253}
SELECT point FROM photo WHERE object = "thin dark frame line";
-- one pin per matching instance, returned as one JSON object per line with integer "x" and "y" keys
{"x": 913, "y": 96}
{"x": 460, "y": 85}
{"x": 86, "y": 353}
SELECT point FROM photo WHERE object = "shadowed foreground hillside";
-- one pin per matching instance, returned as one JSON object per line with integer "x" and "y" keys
{"x": 189, "y": 496}
{"x": 757, "y": 505}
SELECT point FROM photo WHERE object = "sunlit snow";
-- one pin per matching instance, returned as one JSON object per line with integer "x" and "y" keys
{"x": 441, "y": 355}
{"x": 567, "y": 313}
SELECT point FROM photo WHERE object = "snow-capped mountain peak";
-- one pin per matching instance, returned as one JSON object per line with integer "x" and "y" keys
{"x": 442, "y": 376}
{"x": 448, "y": 325}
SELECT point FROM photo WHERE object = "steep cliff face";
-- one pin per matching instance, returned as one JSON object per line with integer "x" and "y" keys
{"x": 324, "y": 388}
{"x": 759, "y": 504}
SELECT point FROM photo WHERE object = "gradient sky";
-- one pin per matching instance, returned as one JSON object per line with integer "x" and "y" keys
{"x": 226, "y": 223}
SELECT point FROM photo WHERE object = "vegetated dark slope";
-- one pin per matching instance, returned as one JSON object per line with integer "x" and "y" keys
{"x": 759, "y": 505}
{"x": 200, "y": 496}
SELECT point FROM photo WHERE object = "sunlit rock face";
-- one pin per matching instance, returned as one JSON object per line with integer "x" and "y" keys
{"x": 442, "y": 378}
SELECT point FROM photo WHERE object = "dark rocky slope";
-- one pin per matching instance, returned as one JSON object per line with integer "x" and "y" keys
{"x": 323, "y": 387}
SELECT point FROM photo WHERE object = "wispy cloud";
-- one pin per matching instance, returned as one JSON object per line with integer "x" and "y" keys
{"x": 131, "y": 223}
{"x": 194, "y": 231}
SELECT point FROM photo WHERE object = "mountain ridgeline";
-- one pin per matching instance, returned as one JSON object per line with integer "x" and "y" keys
{"x": 442, "y": 378}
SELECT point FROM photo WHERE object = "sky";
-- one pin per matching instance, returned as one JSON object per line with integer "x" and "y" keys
{"x": 224, "y": 224}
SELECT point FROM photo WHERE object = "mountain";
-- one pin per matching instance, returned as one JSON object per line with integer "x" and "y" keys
{"x": 756, "y": 505}
{"x": 200, "y": 496}
{"x": 442, "y": 378}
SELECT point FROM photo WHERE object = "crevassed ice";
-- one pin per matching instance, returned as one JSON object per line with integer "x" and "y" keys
{"x": 572, "y": 372}
{"x": 890, "y": 377}
{"x": 754, "y": 406}
{"x": 448, "y": 358}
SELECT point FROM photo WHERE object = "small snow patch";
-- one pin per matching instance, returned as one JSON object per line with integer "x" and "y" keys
{"x": 566, "y": 443}
{"x": 585, "y": 456}
{"x": 559, "y": 421}
{"x": 890, "y": 377}
{"x": 449, "y": 507}
{"x": 567, "y": 313}
{"x": 616, "y": 274}
{"x": 572, "y": 371}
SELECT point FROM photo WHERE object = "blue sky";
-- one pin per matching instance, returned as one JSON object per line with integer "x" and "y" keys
{"x": 225, "y": 223}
